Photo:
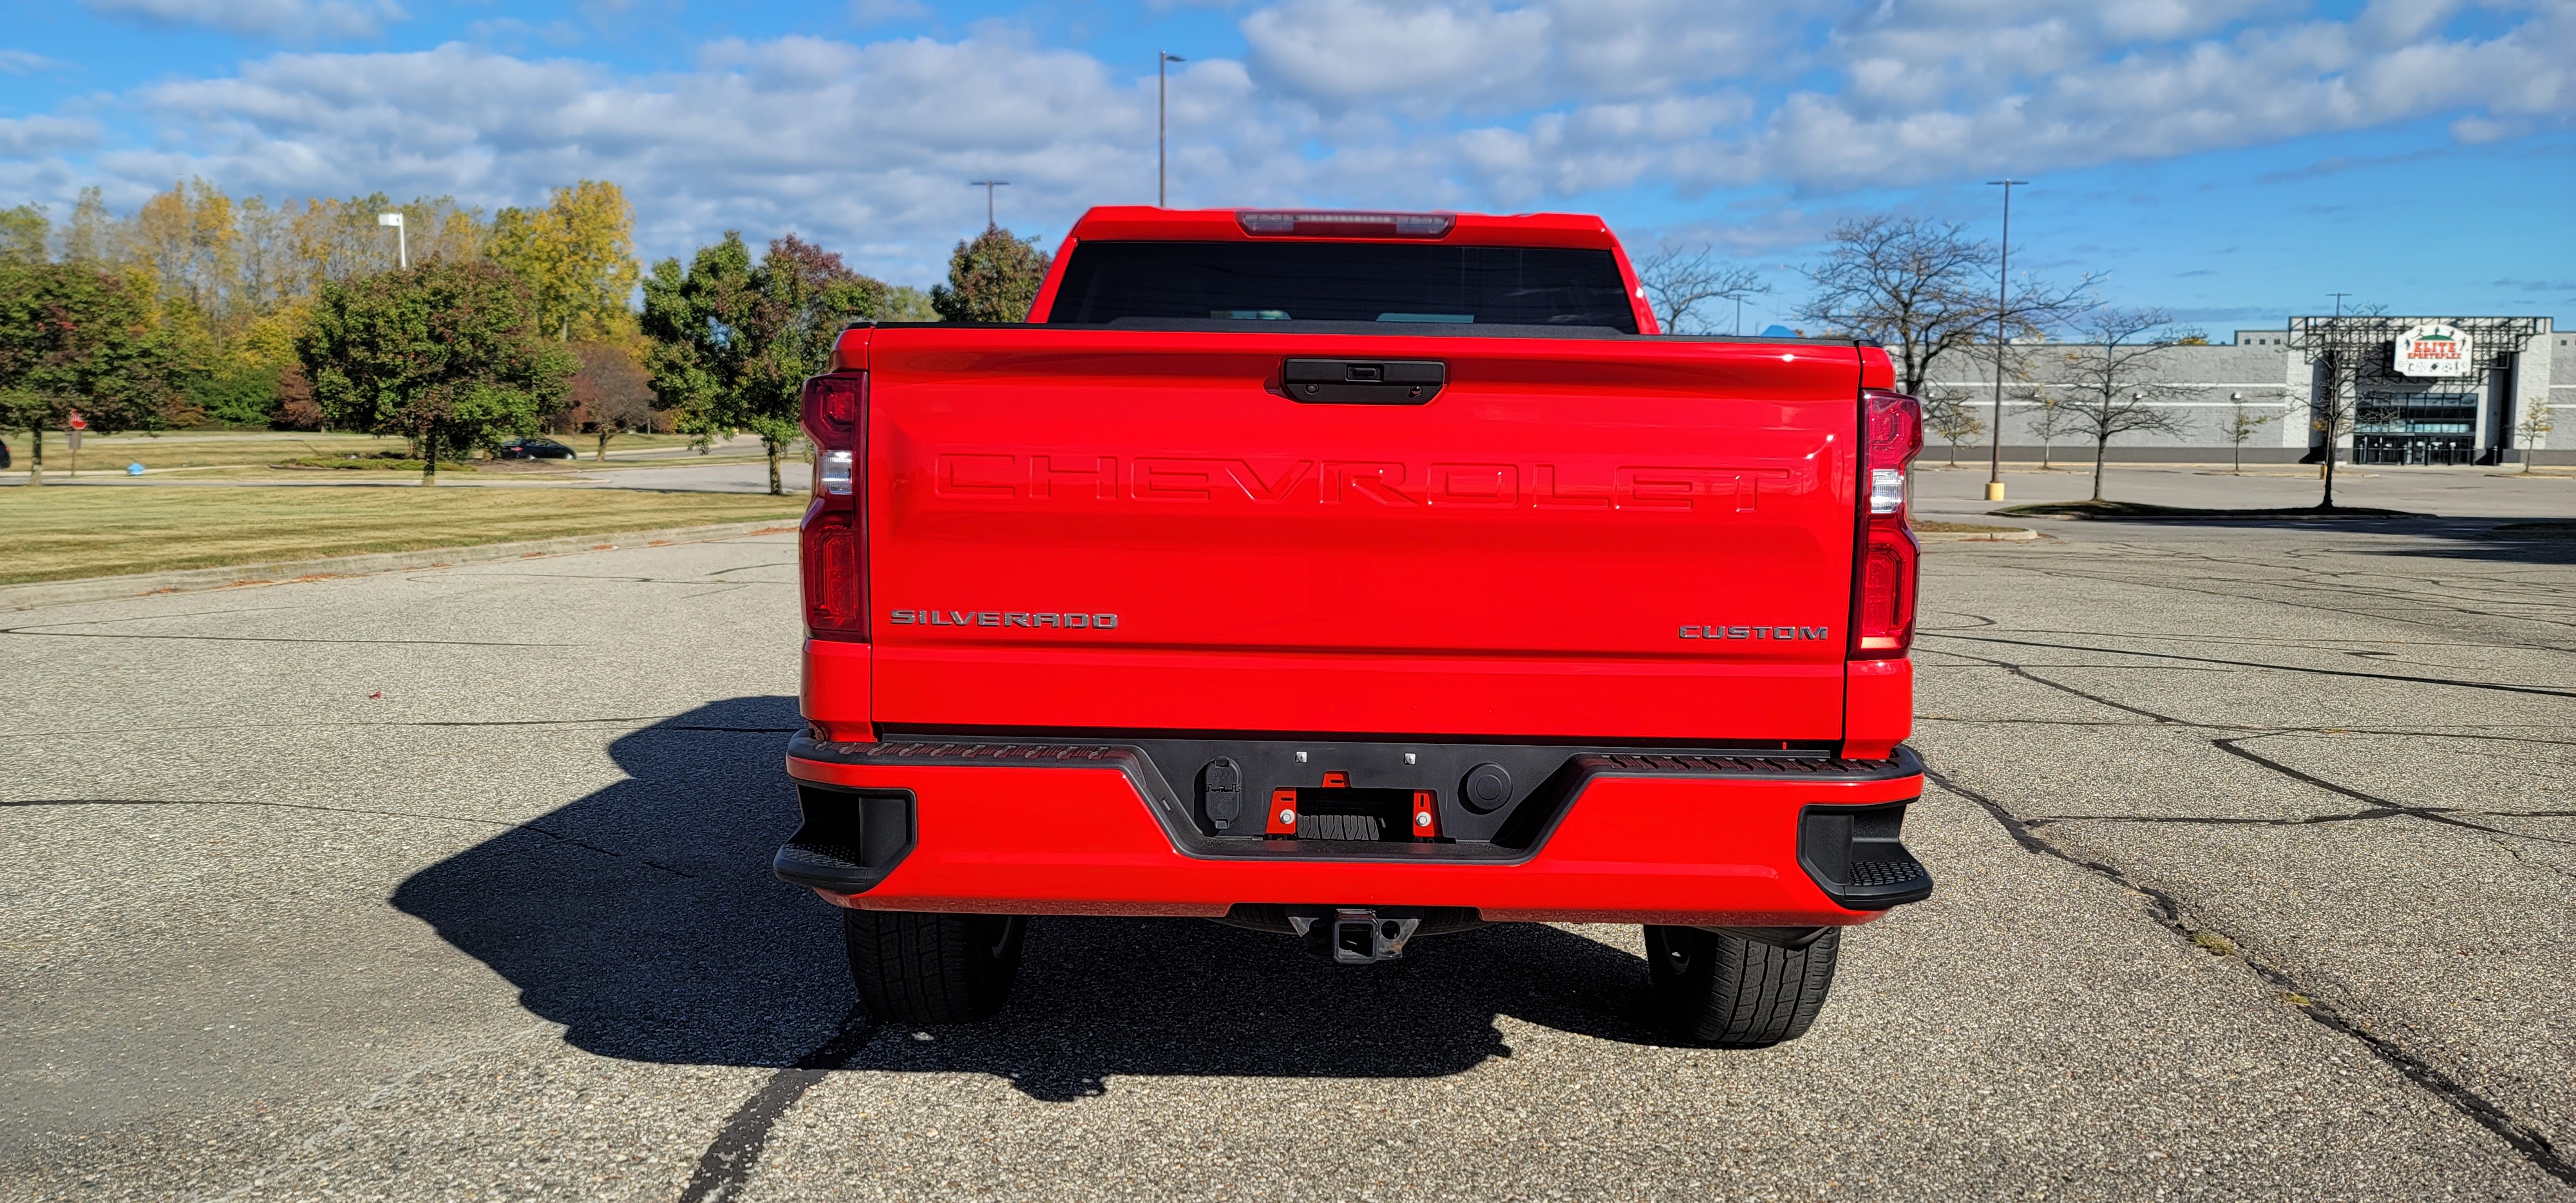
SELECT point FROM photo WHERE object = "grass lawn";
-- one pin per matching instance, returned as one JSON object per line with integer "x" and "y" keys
{"x": 63, "y": 532}
{"x": 255, "y": 454}
{"x": 107, "y": 455}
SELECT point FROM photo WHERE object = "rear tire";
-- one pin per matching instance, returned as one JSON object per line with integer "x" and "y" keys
{"x": 913, "y": 967}
{"x": 1730, "y": 992}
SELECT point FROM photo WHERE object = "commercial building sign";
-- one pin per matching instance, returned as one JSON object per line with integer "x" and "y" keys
{"x": 2432, "y": 349}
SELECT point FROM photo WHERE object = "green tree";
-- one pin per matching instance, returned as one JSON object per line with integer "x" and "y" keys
{"x": 905, "y": 303}
{"x": 23, "y": 232}
{"x": 733, "y": 341}
{"x": 75, "y": 339}
{"x": 247, "y": 383}
{"x": 993, "y": 278}
{"x": 699, "y": 318}
{"x": 577, "y": 257}
{"x": 90, "y": 237}
{"x": 447, "y": 354}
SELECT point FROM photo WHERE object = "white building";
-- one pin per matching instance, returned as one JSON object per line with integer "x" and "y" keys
{"x": 2471, "y": 414}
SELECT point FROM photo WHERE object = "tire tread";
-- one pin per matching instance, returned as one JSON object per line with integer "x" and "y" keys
{"x": 922, "y": 968}
{"x": 1739, "y": 993}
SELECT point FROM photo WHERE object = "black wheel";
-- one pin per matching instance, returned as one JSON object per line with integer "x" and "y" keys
{"x": 917, "y": 968}
{"x": 1731, "y": 992}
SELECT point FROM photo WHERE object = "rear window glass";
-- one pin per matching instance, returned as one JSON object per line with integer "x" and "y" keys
{"x": 1342, "y": 282}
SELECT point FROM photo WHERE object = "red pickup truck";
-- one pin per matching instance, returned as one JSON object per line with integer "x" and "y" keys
{"x": 1359, "y": 577}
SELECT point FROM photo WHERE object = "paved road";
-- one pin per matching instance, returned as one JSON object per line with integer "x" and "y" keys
{"x": 454, "y": 884}
{"x": 1945, "y": 492}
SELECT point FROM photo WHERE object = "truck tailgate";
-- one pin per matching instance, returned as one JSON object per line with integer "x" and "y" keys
{"x": 1121, "y": 530}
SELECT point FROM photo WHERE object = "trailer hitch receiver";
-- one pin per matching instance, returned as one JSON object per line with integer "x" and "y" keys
{"x": 1355, "y": 935}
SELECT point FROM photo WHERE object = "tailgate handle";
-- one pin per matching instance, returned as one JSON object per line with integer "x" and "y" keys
{"x": 1364, "y": 381}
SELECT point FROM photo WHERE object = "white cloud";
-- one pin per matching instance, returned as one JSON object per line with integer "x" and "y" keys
{"x": 283, "y": 20}
{"x": 1459, "y": 103}
{"x": 32, "y": 137}
{"x": 858, "y": 145}
{"x": 23, "y": 62}
{"x": 1433, "y": 57}
{"x": 2116, "y": 102}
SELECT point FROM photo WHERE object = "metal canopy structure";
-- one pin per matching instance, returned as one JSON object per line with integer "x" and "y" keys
{"x": 2360, "y": 393}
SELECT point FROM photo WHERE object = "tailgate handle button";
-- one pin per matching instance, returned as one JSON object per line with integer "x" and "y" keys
{"x": 1364, "y": 381}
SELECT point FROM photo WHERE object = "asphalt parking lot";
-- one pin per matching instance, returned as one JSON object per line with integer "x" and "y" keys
{"x": 2257, "y": 851}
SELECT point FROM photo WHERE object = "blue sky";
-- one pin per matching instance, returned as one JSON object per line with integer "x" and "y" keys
{"x": 2231, "y": 160}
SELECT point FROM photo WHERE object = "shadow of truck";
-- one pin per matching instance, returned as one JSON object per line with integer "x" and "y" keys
{"x": 643, "y": 918}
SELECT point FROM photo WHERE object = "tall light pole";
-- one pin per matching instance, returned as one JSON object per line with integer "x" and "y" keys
{"x": 1163, "y": 59}
{"x": 402, "y": 240}
{"x": 988, "y": 186}
{"x": 1737, "y": 296}
{"x": 2003, "y": 315}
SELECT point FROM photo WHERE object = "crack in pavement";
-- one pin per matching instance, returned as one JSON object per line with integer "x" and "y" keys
{"x": 2312, "y": 820}
{"x": 2522, "y": 857}
{"x": 19, "y": 803}
{"x": 2381, "y": 807}
{"x": 100, "y": 622}
{"x": 626, "y": 579}
{"x": 2251, "y": 728}
{"x": 2027, "y": 675}
{"x": 2524, "y": 1138}
{"x": 2125, "y": 668}
{"x": 2291, "y": 668}
{"x": 2314, "y": 581}
{"x": 2320, "y": 643}
{"x": 726, "y": 1165}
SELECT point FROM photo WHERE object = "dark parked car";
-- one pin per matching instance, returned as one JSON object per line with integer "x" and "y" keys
{"x": 534, "y": 449}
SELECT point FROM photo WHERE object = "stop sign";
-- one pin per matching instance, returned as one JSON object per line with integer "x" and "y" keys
{"x": 78, "y": 422}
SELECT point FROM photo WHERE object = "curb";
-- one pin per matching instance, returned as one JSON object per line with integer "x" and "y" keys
{"x": 2002, "y": 536}
{"x": 39, "y": 594}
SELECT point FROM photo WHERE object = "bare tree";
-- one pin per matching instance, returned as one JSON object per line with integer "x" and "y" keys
{"x": 2535, "y": 426}
{"x": 1951, "y": 415}
{"x": 1680, "y": 280}
{"x": 2052, "y": 422}
{"x": 2338, "y": 404}
{"x": 2112, "y": 383}
{"x": 1924, "y": 288}
{"x": 2336, "y": 410}
{"x": 2244, "y": 424}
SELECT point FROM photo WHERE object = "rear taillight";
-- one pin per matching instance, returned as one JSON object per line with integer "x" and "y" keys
{"x": 1884, "y": 558}
{"x": 832, "y": 543}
